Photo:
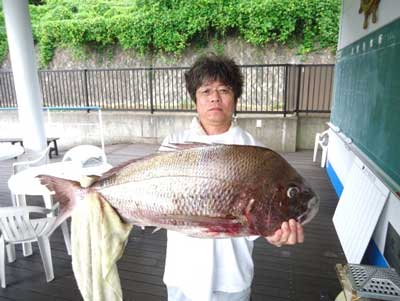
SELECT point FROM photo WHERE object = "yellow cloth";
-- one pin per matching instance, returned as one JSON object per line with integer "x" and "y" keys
{"x": 98, "y": 241}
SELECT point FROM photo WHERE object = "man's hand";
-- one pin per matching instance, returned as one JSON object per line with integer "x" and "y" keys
{"x": 290, "y": 233}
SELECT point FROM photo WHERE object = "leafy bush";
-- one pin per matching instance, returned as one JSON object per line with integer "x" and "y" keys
{"x": 3, "y": 38}
{"x": 172, "y": 25}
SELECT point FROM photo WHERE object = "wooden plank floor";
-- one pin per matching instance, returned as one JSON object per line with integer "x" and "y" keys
{"x": 296, "y": 273}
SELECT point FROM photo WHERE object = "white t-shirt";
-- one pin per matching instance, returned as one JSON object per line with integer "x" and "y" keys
{"x": 199, "y": 266}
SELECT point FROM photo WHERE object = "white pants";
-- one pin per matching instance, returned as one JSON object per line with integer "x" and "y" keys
{"x": 175, "y": 294}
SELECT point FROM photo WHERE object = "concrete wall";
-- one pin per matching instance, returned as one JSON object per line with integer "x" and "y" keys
{"x": 81, "y": 127}
{"x": 307, "y": 127}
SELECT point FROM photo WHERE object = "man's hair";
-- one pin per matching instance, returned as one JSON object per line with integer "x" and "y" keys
{"x": 213, "y": 67}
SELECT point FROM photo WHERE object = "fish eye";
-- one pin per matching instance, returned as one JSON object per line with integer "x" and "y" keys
{"x": 292, "y": 191}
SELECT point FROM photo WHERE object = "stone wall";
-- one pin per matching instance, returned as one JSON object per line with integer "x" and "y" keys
{"x": 242, "y": 52}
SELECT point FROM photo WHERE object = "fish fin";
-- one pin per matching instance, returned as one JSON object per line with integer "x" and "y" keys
{"x": 192, "y": 144}
{"x": 65, "y": 191}
{"x": 167, "y": 148}
{"x": 155, "y": 230}
{"x": 249, "y": 207}
{"x": 171, "y": 147}
{"x": 117, "y": 168}
{"x": 211, "y": 226}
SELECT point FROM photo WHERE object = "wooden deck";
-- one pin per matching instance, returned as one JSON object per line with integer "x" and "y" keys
{"x": 297, "y": 273}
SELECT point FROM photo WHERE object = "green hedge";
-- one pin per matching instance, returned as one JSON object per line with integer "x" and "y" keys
{"x": 172, "y": 25}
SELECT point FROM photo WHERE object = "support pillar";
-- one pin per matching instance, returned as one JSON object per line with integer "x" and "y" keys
{"x": 25, "y": 73}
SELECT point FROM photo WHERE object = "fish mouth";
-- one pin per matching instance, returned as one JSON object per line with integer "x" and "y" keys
{"x": 312, "y": 210}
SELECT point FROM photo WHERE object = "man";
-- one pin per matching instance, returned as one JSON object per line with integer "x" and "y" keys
{"x": 201, "y": 269}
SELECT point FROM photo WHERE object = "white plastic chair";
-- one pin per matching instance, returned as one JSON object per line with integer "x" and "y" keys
{"x": 20, "y": 200}
{"x": 86, "y": 155}
{"x": 17, "y": 227}
{"x": 42, "y": 158}
{"x": 322, "y": 140}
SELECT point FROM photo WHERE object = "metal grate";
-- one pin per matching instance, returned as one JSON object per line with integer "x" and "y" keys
{"x": 373, "y": 282}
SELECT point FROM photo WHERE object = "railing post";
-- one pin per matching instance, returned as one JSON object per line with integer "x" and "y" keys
{"x": 298, "y": 87}
{"x": 285, "y": 92}
{"x": 85, "y": 85}
{"x": 151, "y": 89}
{"x": 44, "y": 96}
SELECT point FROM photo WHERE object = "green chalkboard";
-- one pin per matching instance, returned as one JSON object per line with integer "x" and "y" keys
{"x": 366, "y": 104}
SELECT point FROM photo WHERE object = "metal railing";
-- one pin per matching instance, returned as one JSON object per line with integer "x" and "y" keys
{"x": 271, "y": 89}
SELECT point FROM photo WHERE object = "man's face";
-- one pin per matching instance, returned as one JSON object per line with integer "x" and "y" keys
{"x": 215, "y": 103}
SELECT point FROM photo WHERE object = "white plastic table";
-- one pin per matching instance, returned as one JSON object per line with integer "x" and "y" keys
{"x": 26, "y": 183}
{"x": 8, "y": 151}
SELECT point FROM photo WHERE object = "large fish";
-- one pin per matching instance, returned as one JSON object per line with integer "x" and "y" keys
{"x": 201, "y": 190}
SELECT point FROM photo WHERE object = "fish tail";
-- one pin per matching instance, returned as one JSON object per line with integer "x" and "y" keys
{"x": 66, "y": 192}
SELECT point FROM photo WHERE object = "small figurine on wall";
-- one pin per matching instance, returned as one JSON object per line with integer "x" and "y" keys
{"x": 369, "y": 7}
